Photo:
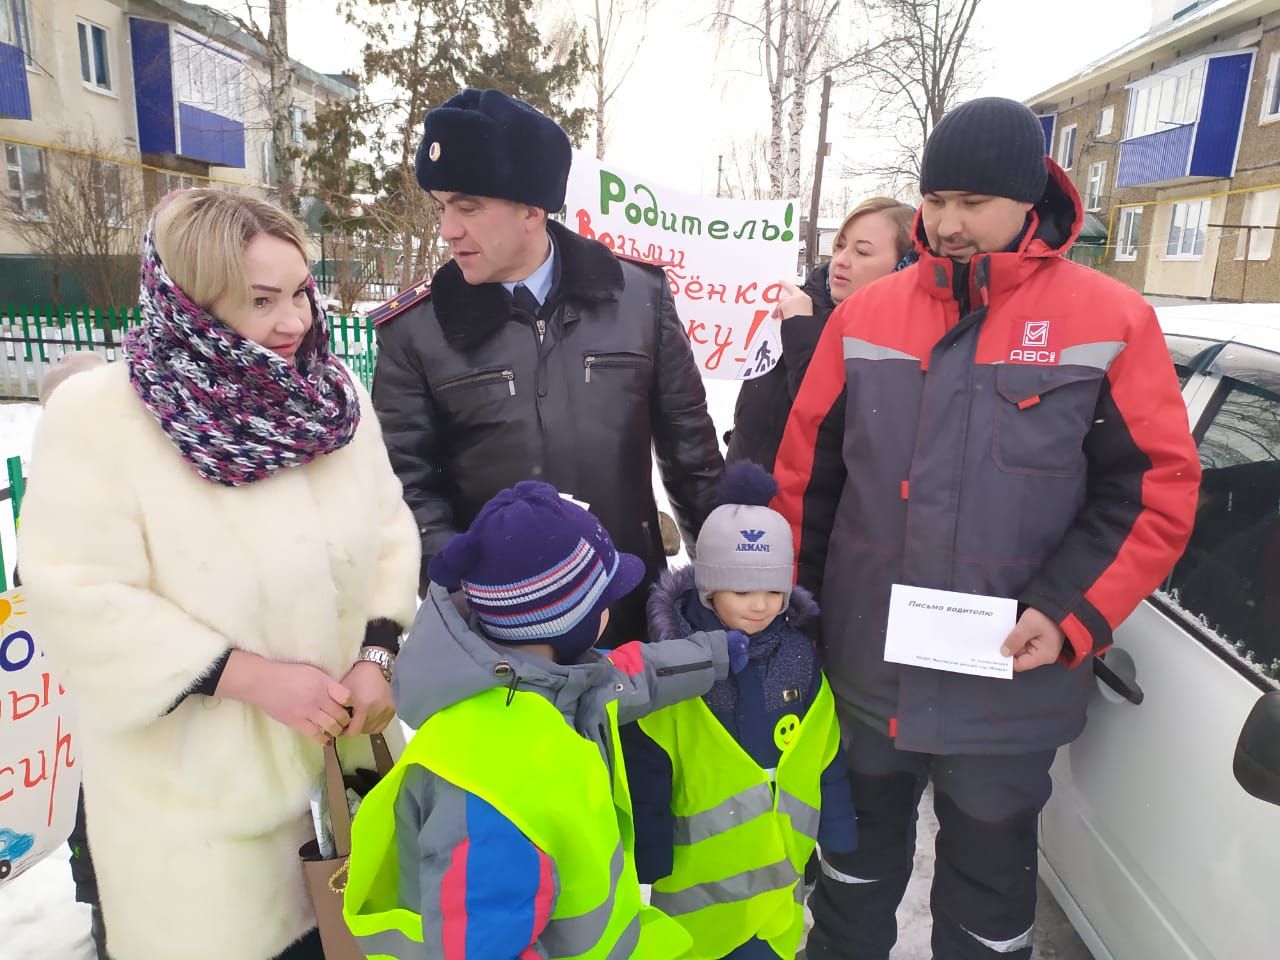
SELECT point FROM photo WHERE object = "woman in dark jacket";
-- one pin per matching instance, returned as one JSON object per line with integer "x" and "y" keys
{"x": 871, "y": 242}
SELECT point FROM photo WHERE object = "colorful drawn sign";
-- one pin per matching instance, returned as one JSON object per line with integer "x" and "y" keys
{"x": 725, "y": 260}
{"x": 39, "y": 768}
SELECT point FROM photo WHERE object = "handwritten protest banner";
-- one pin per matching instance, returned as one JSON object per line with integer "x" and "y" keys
{"x": 39, "y": 772}
{"x": 725, "y": 260}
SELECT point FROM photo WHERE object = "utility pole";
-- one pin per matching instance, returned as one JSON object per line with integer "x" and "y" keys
{"x": 811, "y": 241}
{"x": 719, "y": 174}
{"x": 1248, "y": 229}
{"x": 281, "y": 102}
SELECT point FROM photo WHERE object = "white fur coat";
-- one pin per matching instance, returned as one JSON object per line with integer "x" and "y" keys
{"x": 142, "y": 574}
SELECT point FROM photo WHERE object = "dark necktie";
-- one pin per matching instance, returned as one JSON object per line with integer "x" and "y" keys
{"x": 525, "y": 300}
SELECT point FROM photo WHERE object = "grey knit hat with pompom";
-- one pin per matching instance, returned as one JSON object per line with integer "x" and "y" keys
{"x": 744, "y": 545}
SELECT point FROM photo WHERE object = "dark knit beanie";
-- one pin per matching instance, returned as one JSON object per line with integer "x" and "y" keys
{"x": 487, "y": 144}
{"x": 990, "y": 146}
{"x": 536, "y": 568}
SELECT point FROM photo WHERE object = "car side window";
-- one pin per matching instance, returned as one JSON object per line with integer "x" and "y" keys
{"x": 1186, "y": 353}
{"x": 1229, "y": 576}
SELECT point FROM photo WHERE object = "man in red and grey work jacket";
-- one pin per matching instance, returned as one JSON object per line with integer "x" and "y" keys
{"x": 994, "y": 420}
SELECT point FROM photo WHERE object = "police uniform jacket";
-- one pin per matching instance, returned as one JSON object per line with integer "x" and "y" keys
{"x": 472, "y": 399}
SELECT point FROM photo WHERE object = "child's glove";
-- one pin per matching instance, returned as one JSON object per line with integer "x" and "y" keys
{"x": 737, "y": 642}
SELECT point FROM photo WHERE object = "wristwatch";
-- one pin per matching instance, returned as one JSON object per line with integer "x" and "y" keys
{"x": 383, "y": 657}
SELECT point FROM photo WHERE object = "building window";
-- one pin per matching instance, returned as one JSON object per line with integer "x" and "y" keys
{"x": 1186, "y": 230}
{"x": 178, "y": 181}
{"x": 1067, "y": 147}
{"x": 1166, "y": 100}
{"x": 1127, "y": 236}
{"x": 1271, "y": 92}
{"x": 95, "y": 63}
{"x": 207, "y": 77}
{"x": 108, "y": 191}
{"x": 1093, "y": 192}
{"x": 159, "y": 183}
{"x": 15, "y": 27}
{"x": 27, "y": 183}
{"x": 299, "y": 120}
{"x": 1106, "y": 119}
{"x": 1261, "y": 209}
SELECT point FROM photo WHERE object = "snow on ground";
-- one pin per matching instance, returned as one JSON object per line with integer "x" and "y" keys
{"x": 40, "y": 919}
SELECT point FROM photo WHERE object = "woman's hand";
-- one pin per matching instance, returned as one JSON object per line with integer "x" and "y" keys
{"x": 371, "y": 698}
{"x": 302, "y": 697}
{"x": 794, "y": 303}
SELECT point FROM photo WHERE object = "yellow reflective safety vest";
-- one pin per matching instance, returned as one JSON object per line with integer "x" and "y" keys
{"x": 578, "y": 815}
{"x": 741, "y": 842}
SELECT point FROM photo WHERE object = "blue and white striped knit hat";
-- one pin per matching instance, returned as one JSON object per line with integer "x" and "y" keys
{"x": 536, "y": 568}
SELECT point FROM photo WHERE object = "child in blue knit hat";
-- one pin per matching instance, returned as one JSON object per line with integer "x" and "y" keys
{"x": 505, "y": 829}
{"x": 733, "y": 790}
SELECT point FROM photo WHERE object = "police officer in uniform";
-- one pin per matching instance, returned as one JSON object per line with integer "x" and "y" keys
{"x": 535, "y": 353}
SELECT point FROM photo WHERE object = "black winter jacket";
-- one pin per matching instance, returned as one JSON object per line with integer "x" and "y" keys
{"x": 764, "y": 403}
{"x": 470, "y": 403}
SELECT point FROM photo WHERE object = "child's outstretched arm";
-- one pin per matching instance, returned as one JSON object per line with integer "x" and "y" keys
{"x": 656, "y": 675}
{"x": 487, "y": 891}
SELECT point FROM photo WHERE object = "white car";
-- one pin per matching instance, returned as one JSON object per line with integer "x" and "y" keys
{"x": 1162, "y": 838}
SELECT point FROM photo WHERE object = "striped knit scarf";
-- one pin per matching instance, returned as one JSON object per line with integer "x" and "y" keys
{"x": 235, "y": 410}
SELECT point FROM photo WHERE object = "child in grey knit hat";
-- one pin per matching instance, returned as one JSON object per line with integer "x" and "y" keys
{"x": 780, "y": 714}
{"x": 743, "y": 569}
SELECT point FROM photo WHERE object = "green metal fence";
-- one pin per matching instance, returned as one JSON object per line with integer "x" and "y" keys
{"x": 13, "y": 494}
{"x": 33, "y": 338}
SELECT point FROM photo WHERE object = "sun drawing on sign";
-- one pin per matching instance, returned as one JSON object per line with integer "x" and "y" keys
{"x": 10, "y": 608}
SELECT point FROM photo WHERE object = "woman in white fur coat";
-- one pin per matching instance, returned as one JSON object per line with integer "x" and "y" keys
{"x": 222, "y": 564}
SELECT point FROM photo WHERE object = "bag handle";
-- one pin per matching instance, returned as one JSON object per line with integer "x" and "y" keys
{"x": 336, "y": 790}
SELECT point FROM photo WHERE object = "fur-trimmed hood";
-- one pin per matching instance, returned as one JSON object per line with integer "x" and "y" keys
{"x": 470, "y": 314}
{"x": 667, "y": 620}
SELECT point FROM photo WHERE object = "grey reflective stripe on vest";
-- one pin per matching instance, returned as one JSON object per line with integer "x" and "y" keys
{"x": 1098, "y": 354}
{"x": 570, "y": 936}
{"x": 855, "y": 349}
{"x": 839, "y": 876}
{"x": 738, "y": 809}
{"x": 392, "y": 943}
{"x": 1020, "y": 942}
{"x": 742, "y": 886}
{"x": 627, "y": 943}
{"x": 804, "y": 818}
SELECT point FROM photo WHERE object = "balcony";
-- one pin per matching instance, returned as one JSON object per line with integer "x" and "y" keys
{"x": 1204, "y": 148}
{"x": 1157, "y": 157}
{"x": 15, "y": 98}
{"x": 195, "y": 111}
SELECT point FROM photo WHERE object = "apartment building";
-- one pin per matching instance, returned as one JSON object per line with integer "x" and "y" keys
{"x": 1174, "y": 143}
{"x": 140, "y": 97}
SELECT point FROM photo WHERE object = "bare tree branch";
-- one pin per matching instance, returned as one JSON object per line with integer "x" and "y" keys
{"x": 917, "y": 69}
{"x": 85, "y": 214}
{"x": 609, "y": 69}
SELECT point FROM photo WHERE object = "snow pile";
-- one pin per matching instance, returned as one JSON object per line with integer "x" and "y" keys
{"x": 39, "y": 915}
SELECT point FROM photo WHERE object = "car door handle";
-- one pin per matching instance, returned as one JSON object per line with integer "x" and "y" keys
{"x": 1126, "y": 688}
